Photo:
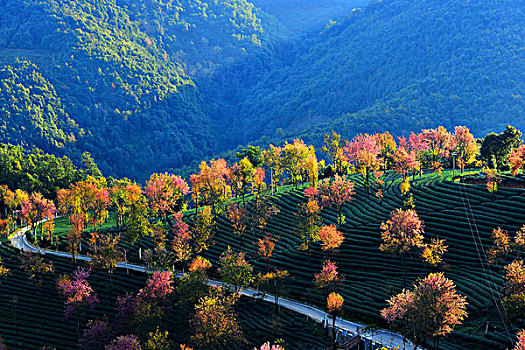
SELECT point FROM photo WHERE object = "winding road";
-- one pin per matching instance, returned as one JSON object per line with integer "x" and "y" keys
{"x": 379, "y": 337}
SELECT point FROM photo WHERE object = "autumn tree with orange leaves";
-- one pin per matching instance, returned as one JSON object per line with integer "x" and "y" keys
{"x": 239, "y": 218}
{"x": 265, "y": 247}
{"x": 514, "y": 299}
{"x": 334, "y": 304}
{"x": 431, "y": 310}
{"x": 215, "y": 322}
{"x": 210, "y": 186}
{"x": 517, "y": 160}
{"x": 331, "y": 239}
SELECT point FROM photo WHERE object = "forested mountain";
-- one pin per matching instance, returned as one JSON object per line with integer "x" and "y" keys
{"x": 400, "y": 65}
{"x": 158, "y": 84}
{"x": 116, "y": 75}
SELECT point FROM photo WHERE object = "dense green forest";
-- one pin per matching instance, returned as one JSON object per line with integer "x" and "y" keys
{"x": 399, "y": 65}
{"x": 156, "y": 85}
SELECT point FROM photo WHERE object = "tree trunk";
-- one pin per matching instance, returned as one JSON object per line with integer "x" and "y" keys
{"x": 403, "y": 268}
{"x": 333, "y": 332}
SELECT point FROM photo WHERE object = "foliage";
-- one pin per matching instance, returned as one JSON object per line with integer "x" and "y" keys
{"x": 96, "y": 335}
{"x": 336, "y": 193}
{"x": 202, "y": 232}
{"x": 433, "y": 253}
{"x": 158, "y": 341}
{"x": 78, "y": 292}
{"x": 215, "y": 321}
{"x": 514, "y": 299}
{"x": 334, "y": 303}
{"x": 125, "y": 342}
{"x": 432, "y": 309}
{"x": 496, "y": 148}
{"x": 329, "y": 278}
{"x": 234, "y": 270}
{"x": 34, "y": 265}
{"x": 330, "y": 237}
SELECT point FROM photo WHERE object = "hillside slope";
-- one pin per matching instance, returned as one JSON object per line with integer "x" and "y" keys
{"x": 122, "y": 72}
{"x": 400, "y": 65}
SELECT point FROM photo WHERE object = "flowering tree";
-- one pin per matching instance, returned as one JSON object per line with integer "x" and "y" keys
{"x": 402, "y": 233}
{"x": 520, "y": 345}
{"x": 465, "y": 146}
{"x": 166, "y": 194}
{"x": 265, "y": 248}
{"x": 433, "y": 253}
{"x": 158, "y": 287}
{"x": 329, "y": 278}
{"x": 308, "y": 219}
{"x": 334, "y": 303}
{"x": 275, "y": 283}
{"x": 331, "y": 238}
{"x": 34, "y": 265}
{"x": 268, "y": 346}
{"x": 210, "y": 186}
{"x": 181, "y": 244}
{"x": 242, "y": 176}
{"x": 404, "y": 161}
{"x": 432, "y": 309}
{"x": 78, "y": 293}
{"x": 125, "y": 342}
{"x": 239, "y": 217}
{"x": 439, "y": 145}
{"x": 258, "y": 185}
{"x": 35, "y": 209}
{"x": 363, "y": 152}
{"x": 215, "y": 322}
{"x": 235, "y": 271}
{"x": 514, "y": 299}
{"x": 95, "y": 336}
{"x": 517, "y": 160}
{"x": 335, "y": 194}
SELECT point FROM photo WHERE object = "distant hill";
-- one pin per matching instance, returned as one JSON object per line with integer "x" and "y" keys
{"x": 399, "y": 65}
{"x": 118, "y": 75}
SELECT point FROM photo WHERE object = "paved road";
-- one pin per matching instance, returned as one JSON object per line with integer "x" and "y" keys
{"x": 383, "y": 337}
